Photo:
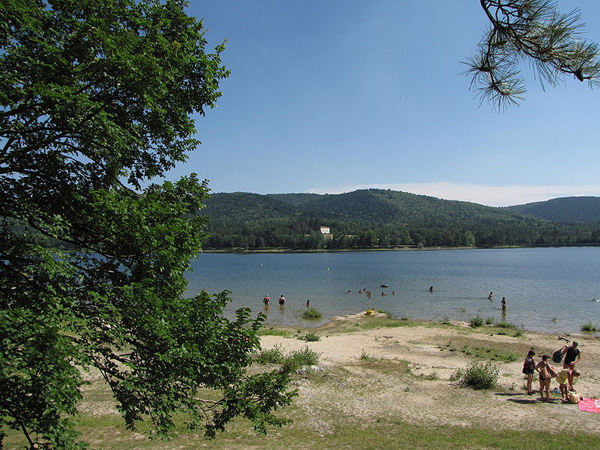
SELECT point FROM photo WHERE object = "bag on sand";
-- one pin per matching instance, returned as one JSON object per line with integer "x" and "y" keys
{"x": 557, "y": 356}
{"x": 574, "y": 397}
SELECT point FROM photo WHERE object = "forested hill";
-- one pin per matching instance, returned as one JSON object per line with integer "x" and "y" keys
{"x": 375, "y": 218}
{"x": 566, "y": 209}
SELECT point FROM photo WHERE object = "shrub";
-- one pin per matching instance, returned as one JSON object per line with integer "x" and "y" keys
{"x": 300, "y": 358}
{"x": 505, "y": 324}
{"x": 476, "y": 322}
{"x": 478, "y": 376}
{"x": 489, "y": 321}
{"x": 311, "y": 337}
{"x": 588, "y": 327}
{"x": 291, "y": 362}
{"x": 311, "y": 314}
{"x": 271, "y": 356}
{"x": 365, "y": 357}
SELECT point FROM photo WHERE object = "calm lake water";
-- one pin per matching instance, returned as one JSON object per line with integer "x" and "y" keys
{"x": 547, "y": 289}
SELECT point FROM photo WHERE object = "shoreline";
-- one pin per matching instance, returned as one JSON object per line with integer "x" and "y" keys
{"x": 327, "y": 322}
{"x": 330, "y": 323}
{"x": 394, "y": 249}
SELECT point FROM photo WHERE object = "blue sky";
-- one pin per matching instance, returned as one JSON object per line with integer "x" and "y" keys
{"x": 330, "y": 96}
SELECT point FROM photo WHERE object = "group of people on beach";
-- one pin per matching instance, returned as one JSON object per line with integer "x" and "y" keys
{"x": 546, "y": 372}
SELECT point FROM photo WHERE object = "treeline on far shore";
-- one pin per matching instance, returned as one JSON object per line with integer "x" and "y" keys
{"x": 285, "y": 236}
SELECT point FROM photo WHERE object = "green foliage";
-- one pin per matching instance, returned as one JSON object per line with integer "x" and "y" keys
{"x": 588, "y": 327}
{"x": 566, "y": 209}
{"x": 478, "y": 376}
{"x": 386, "y": 313}
{"x": 270, "y": 356}
{"x": 476, "y": 322}
{"x": 505, "y": 324}
{"x": 270, "y": 331}
{"x": 489, "y": 321}
{"x": 291, "y": 362}
{"x": 96, "y": 99}
{"x": 311, "y": 337}
{"x": 300, "y": 358}
{"x": 366, "y": 357}
{"x": 489, "y": 353}
{"x": 311, "y": 314}
{"x": 535, "y": 31}
{"x": 375, "y": 218}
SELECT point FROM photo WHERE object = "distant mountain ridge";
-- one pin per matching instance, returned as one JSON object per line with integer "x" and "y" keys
{"x": 564, "y": 209}
{"x": 371, "y": 218}
{"x": 365, "y": 205}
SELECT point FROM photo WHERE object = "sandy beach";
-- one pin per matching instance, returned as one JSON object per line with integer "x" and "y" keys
{"x": 407, "y": 372}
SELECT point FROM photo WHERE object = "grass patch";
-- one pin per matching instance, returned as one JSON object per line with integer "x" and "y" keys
{"x": 311, "y": 314}
{"x": 489, "y": 353}
{"x": 385, "y": 366}
{"x": 370, "y": 323}
{"x": 272, "y": 332}
{"x": 366, "y": 357}
{"x": 386, "y": 313}
{"x": 390, "y": 433}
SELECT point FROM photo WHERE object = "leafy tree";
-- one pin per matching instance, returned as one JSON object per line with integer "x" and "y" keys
{"x": 536, "y": 32}
{"x": 96, "y": 98}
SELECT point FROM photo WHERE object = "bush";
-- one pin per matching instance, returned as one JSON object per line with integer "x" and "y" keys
{"x": 489, "y": 321}
{"x": 291, "y": 362}
{"x": 311, "y": 314}
{"x": 311, "y": 337}
{"x": 478, "y": 376}
{"x": 476, "y": 322}
{"x": 272, "y": 356}
{"x": 300, "y": 358}
{"x": 588, "y": 327}
{"x": 505, "y": 324}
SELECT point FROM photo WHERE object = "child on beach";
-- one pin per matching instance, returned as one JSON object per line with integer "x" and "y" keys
{"x": 565, "y": 380}
{"x": 529, "y": 369}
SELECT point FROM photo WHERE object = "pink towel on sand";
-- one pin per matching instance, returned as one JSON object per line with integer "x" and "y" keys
{"x": 590, "y": 405}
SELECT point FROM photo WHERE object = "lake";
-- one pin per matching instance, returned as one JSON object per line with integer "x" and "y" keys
{"x": 552, "y": 290}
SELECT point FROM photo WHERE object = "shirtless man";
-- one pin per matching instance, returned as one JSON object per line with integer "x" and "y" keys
{"x": 572, "y": 355}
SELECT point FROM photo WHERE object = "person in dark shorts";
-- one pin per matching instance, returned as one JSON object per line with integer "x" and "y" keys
{"x": 529, "y": 369}
{"x": 572, "y": 354}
